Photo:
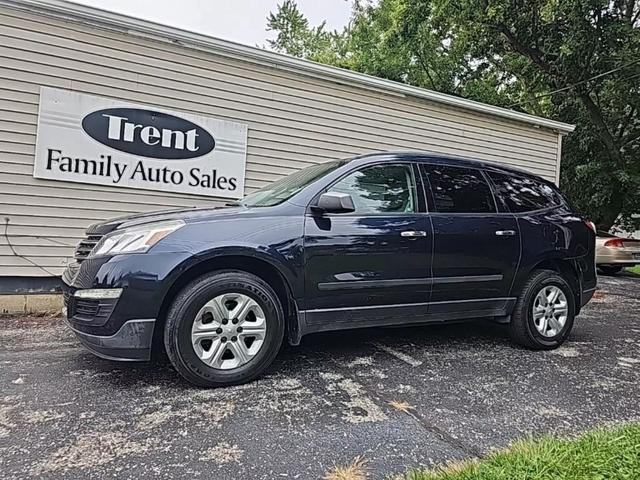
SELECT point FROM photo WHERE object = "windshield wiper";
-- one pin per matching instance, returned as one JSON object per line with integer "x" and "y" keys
{"x": 234, "y": 203}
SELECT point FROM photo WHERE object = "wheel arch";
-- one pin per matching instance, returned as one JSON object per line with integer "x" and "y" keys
{"x": 567, "y": 268}
{"x": 258, "y": 265}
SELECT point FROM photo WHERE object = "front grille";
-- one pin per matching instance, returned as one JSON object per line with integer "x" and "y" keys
{"x": 85, "y": 246}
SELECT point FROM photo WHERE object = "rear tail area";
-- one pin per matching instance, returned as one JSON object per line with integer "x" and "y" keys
{"x": 587, "y": 263}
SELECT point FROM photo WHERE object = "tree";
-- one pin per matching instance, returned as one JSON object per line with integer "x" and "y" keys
{"x": 295, "y": 36}
{"x": 577, "y": 61}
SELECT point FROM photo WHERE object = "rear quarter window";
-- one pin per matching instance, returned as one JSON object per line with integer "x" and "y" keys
{"x": 523, "y": 194}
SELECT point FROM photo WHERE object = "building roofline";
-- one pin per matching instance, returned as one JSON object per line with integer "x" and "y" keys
{"x": 164, "y": 33}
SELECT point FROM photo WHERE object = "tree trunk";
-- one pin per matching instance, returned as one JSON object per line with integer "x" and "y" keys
{"x": 595, "y": 114}
{"x": 609, "y": 215}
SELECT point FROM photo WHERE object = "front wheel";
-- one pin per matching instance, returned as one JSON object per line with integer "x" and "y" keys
{"x": 543, "y": 316}
{"x": 224, "y": 328}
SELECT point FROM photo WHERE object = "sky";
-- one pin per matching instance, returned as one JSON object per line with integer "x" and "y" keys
{"x": 241, "y": 21}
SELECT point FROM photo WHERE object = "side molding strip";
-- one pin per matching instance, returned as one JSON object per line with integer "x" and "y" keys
{"x": 358, "y": 284}
{"x": 401, "y": 305}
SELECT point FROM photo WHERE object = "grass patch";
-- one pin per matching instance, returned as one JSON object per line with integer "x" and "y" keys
{"x": 635, "y": 269}
{"x": 356, "y": 470}
{"x": 603, "y": 454}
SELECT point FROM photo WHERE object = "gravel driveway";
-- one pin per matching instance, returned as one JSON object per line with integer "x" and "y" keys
{"x": 397, "y": 397}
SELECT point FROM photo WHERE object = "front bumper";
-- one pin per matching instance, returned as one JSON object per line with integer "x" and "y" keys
{"x": 132, "y": 342}
{"x": 87, "y": 317}
{"x": 118, "y": 328}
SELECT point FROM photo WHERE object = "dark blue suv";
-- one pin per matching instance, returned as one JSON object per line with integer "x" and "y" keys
{"x": 376, "y": 240}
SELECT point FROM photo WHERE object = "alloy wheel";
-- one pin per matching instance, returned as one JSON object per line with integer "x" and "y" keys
{"x": 550, "y": 311}
{"x": 228, "y": 331}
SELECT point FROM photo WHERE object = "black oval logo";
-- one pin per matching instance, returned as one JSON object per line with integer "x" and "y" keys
{"x": 148, "y": 134}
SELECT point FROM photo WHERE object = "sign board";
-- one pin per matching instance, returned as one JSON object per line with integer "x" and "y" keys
{"x": 88, "y": 139}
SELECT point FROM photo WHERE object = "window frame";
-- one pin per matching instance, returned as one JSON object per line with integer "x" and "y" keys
{"x": 419, "y": 187}
{"x": 431, "y": 198}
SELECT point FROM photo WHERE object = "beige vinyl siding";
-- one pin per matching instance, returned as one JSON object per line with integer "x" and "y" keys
{"x": 294, "y": 119}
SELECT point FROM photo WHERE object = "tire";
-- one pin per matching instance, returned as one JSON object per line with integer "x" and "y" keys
{"x": 523, "y": 329}
{"x": 189, "y": 304}
{"x": 609, "y": 269}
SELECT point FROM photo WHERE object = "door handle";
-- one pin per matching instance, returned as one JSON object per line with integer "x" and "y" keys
{"x": 505, "y": 233}
{"x": 413, "y": 233}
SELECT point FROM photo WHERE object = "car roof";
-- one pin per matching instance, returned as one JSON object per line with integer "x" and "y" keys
{"x": 442, "y": 159}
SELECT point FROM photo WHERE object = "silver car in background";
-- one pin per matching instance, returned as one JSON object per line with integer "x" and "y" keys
{"x": 614, "y": 253}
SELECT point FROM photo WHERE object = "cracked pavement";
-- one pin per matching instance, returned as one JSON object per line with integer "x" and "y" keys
{"x": 401, "y": 397}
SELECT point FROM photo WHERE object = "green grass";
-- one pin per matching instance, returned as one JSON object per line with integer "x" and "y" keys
{"x": 611, "y": 454}
{"x": 635, "y": 269}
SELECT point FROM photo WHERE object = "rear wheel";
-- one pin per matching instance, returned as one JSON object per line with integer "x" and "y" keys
{"x": 543, "y": 316}
{"x": 224, "y": 328}
{"x": 609, "y": 269}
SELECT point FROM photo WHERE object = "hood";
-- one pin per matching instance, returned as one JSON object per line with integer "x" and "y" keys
{"x": 186, "y": 214}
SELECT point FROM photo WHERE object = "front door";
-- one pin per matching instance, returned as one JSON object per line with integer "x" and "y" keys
{"x": 476, "y": 247}
{"x": 372, "y": 266}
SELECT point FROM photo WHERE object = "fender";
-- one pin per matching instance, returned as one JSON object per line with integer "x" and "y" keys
{"x": 293, "y": 282}
{"x": 289, "y": 273}
{"x": 555, "y": 260}
{"x": 550, "y": 237}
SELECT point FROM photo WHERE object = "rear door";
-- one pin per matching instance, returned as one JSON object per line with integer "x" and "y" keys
{"x": 476, "y": 247}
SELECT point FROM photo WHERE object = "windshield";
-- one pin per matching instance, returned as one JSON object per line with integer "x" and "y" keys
{"x": 286, "y": 187}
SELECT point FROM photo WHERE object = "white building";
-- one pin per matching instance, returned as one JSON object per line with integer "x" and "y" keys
{"x": 60, "y": 60}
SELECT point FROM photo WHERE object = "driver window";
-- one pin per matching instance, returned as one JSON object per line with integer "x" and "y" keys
{"x": 380, "y": 189}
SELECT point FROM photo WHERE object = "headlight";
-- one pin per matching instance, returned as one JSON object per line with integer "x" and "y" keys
{"x": 135, "y": 239}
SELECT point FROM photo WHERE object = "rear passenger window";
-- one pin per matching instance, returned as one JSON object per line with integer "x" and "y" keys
{"x": 522, "y": 194}
{"x": 460, "y": 190}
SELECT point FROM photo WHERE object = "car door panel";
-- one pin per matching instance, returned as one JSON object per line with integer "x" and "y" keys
{"x": 471, "y": 261}
{"x": 356, "y": 261}
{"x": 368, "y": 268}
{"x": 476, "y": 247}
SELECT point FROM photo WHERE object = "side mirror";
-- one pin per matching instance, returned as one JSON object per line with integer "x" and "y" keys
{"x": 334, "y": 202}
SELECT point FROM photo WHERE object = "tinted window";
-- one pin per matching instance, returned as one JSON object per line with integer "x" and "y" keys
{"x": 460, "y": 190}
{"x": 522, "y": 194}
{"x": 380, "y": 189}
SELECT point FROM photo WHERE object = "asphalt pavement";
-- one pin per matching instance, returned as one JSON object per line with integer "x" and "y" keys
{"x": 399, "y": 398}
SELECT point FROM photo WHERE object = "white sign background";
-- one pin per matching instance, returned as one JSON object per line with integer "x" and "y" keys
{"x": 64, "y": 151}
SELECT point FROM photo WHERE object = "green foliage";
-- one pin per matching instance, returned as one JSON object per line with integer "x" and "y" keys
{"x": 588, "y": 52}
{"x": 295, "y": 36}
{"x": 577, "y": 61}
{"x": 601, "y": 454}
